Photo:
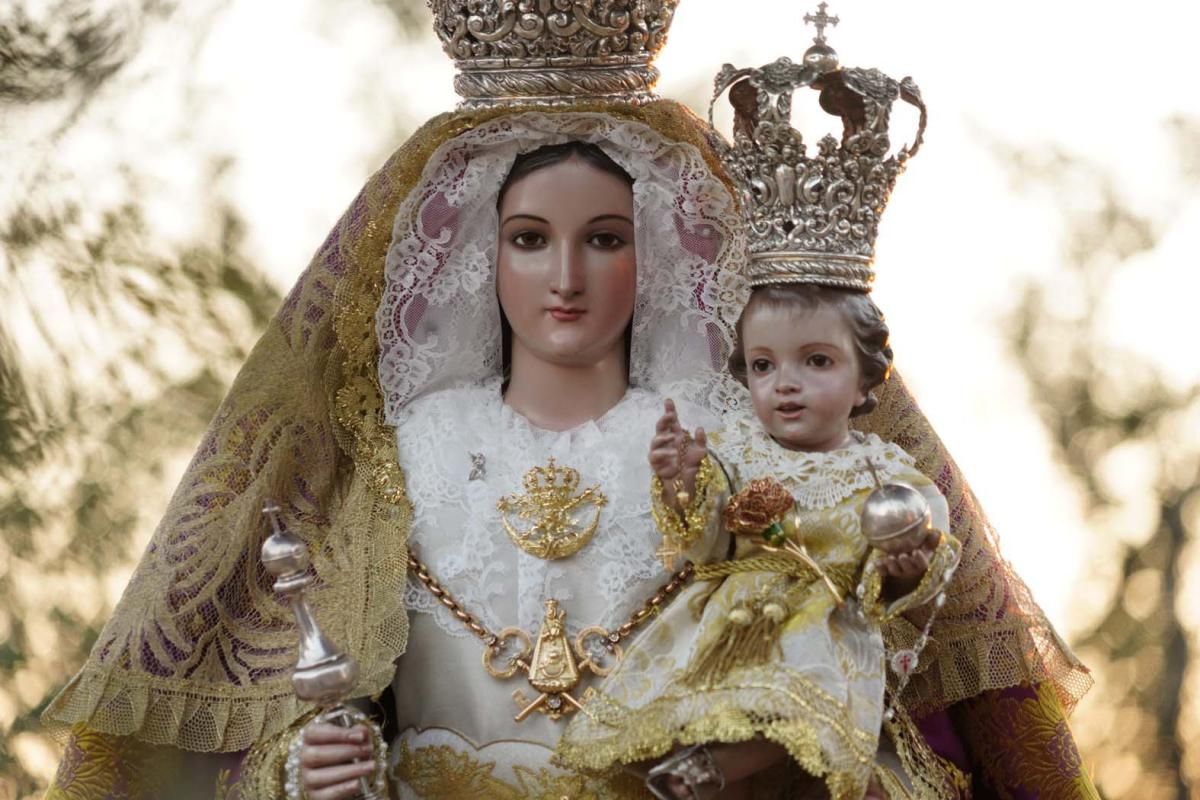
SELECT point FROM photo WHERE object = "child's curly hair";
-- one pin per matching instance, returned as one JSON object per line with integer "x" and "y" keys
{"x": 865, "y": 320}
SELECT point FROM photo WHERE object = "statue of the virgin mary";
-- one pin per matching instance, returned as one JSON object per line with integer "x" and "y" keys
{"x": 453, "y": 407}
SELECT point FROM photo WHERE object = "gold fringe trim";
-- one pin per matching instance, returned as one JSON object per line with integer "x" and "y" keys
{"x": 741, "y": 646}
{"x": 769, "y": 703}
{"x": 773, "y": 704}
{"x": 755, "y": 641}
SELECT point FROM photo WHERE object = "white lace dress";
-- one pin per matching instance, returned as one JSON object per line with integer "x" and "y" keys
{"x": 458, "y": 733}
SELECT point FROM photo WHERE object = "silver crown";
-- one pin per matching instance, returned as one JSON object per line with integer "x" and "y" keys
{"x": 814, "y": 218}
{"x": 551, "y": 52}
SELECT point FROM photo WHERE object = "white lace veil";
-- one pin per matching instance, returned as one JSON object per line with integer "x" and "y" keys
{"x": 439, "y": 320}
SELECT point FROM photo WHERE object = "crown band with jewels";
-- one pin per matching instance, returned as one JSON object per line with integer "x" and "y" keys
{"x": 551, "y": 52}
{"x": 813, "y": 218}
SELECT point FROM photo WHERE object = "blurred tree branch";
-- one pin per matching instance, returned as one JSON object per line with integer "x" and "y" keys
{"x": 73, "y": 50}
{"x": 114, "y": 352}
{"x": 412, "y": 15}
{"x": 1099, "y": 400}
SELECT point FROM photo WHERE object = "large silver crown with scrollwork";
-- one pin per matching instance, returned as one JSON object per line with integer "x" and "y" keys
{"x": 813, "y": 216}
{"x": 549, "y": 52}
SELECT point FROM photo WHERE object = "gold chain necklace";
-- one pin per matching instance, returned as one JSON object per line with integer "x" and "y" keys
{"x": 549, "y": 663}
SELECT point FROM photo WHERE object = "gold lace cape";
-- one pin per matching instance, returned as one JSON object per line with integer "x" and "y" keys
{"x": 198, "y": 652}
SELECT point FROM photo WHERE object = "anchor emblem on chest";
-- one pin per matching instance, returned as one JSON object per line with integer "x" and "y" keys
{"x": 549, "y": 502}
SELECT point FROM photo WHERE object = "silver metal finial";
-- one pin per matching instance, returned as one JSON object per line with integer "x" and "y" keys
{"x": 324, "y": 675}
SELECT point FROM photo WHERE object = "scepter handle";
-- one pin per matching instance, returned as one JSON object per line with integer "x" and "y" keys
{"x": 324, "y": 675}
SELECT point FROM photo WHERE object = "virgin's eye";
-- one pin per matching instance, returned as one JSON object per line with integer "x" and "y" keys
{"x": 528, "y": 239}
{"x": 760, "y": 365}
{"x": 606, "y": 241}
{"x": 820, "y": 360}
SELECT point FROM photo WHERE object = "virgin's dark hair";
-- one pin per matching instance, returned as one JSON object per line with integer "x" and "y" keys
{"x": 552, "y": 154}
{"x": 865, "y": 320}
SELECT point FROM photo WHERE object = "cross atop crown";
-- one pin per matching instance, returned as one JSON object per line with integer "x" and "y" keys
{"x": 819, "y": 21}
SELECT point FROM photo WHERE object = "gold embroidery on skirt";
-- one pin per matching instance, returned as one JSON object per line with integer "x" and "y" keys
{"x": 439, "y": 772}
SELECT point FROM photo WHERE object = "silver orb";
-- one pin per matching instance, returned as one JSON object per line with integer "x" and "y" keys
{"x": 896, "y": 518}
{"x": 822, "y": 58}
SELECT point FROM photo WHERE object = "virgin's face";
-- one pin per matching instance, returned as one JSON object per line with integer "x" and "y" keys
{"x": 565, "y": 272}
{"x": 803, "y": 374}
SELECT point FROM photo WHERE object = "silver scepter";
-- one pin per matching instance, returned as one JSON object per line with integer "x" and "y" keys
{"x": 324, "y": 675}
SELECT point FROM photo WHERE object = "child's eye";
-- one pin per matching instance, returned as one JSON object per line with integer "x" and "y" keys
{"x": 606, "y": 241}
{"x": 760, "y": 365}
{"x": 820, "y": 360}
{"x": 528, "y": 239}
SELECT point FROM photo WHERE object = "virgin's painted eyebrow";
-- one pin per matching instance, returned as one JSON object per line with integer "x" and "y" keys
{"x": 525, "y": 216}
{"x": 603, "y": 217}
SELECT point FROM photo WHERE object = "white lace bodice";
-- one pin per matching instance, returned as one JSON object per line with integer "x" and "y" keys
{"x": 457, "y": 529}
{"x": 457, "y": 532}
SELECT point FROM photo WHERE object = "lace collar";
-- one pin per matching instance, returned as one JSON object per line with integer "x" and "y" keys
{"x": 816, "y": 479}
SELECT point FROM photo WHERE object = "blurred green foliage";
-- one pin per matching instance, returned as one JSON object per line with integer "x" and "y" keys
{"x": 1103, "y": 402}
{"x": 115, "y": 347}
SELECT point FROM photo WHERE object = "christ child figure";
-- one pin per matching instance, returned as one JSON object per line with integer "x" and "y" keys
{"x": 791, "y": 632}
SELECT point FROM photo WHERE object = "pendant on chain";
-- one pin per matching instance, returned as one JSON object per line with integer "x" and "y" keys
{"x": 553, "y": 668}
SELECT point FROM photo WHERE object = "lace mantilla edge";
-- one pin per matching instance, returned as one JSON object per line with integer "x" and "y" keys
{"x": 759, "y": 703}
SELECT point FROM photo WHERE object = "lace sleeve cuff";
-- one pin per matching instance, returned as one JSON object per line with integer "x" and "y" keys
{"x": 941, "y": 567}
{"x": 680, "y": 530}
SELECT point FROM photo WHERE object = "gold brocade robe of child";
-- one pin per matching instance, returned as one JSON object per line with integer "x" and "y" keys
{"x": 818, "y": 687}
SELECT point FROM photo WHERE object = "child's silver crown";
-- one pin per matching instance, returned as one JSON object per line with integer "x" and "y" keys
{"x": 814, "y": 218}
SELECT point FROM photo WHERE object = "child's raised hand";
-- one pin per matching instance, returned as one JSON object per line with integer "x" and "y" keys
{"x": 675, "y": 455}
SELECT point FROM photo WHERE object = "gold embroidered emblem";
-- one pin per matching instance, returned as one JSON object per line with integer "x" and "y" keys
{"x": 548, "y": 502}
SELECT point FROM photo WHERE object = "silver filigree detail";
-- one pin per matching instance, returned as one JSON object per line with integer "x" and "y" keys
{"x": 478, "y": 467}
{"x": 813, "y": 217}
{"x": 546, "y": 52}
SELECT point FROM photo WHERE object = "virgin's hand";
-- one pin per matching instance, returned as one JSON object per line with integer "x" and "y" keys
{"x": 332, "y": 759}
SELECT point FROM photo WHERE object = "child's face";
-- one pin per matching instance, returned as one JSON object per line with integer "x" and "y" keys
{"x": 803, "y": 374}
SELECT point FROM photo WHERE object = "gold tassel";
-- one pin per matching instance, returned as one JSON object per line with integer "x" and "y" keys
{"x": 750, "y": 644}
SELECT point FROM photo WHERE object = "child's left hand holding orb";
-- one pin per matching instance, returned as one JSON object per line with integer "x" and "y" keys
{"x": 903, "y": 571}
